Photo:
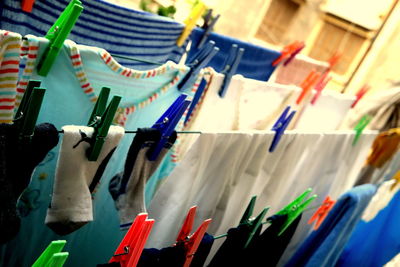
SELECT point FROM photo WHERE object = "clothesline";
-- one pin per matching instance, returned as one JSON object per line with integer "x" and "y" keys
{"x": 179, "y": 132}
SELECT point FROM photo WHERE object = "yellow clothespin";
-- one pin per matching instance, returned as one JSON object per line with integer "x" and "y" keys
{"x": 397, "y": 178}
{"x": 190, "y": 22}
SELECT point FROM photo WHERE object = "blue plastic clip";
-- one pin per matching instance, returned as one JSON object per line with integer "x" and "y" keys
{"x": 231, "y": 65}
{"x": 280, "y": 126}
{"x": 199, "y": 62}
{"x": 196, "y": 98}
{"x": 208, "y": 26}
{"x": 167, "y": 123}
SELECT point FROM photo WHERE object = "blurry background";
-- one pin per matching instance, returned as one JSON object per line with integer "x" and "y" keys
{"x": 365, "y": 32}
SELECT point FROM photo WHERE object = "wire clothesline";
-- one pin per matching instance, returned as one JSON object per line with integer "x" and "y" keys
{"x": 179, "y": 132}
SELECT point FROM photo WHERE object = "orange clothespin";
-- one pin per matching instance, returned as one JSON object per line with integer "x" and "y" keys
{"x": 321, "y": 84}
{"x": 191, "y": 242}
{"x": 322, "y": 212}
{"x": 397, "y": 178}
{"x": 306, "y": 85}
{"x": 27, "y": 5}
{"x": 131, "y": 246}
{"x": 288, "y": 50}
{"x": 333, "y": 60}
{"x": 360, "y": 94}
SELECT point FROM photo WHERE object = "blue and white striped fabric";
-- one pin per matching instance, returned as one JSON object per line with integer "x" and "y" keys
{"x": 119, "y": 30}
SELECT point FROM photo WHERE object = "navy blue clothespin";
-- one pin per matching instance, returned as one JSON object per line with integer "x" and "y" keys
{"x": 280, "y": 126}
{"x": 167, "y": 123}
{"x": 199, "y": 62}
{"x": 208, "y": 26}
{"x": 231, "y": 65}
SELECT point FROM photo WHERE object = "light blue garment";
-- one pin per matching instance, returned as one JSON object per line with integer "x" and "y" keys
{"x": 65, "y": 103}
{"x": 324, "y": 246}
{"x": 119, "y": 30}
{"x": 376, "y": 242}
{"x": 256, "y": 62}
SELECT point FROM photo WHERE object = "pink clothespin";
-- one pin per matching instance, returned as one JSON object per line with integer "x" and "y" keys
{"x": 306, "y": 85}
{"x": 360, "y": 94}
{"x": 322, "y": 212}
{"x": 191, "y": 242}
{"x": 27, "y": 5}
{"x": 321, "y": 84}
{"x": 131, "y": 246}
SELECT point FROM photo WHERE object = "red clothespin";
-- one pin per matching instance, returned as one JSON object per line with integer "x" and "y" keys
{"x": 131, "y": 246}
{"x": 191, "y": 242}
{"x": 294, "y": 54}
{"x": 360, "y": 94}
{"x": 321, "y": 84}
{"x": 27, "y": 5}
{"x": 306, "y": 85}
{"x": 333, "y": 60}
{"x": 287, "y": 51}
{"x": 322, "y": 212}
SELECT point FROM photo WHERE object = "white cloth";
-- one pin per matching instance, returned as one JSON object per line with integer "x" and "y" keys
{"x": 72, "y": 200}
{"x": 395, "y": 262}
{"x": 327, "y": 113}
{"x": 261, "y": 103}
{"x": 380, "y": 200}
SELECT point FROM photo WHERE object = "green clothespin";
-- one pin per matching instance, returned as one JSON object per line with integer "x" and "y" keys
{"x": 27, "y": 114}
{"x": 101, "y": 119}
{"x": 249, "y": 211}
{"x": 360, "y": 127}
{"x": 295, "y": 208}
{"x": 57, "y": 34}
{"x": 52, "y": 255}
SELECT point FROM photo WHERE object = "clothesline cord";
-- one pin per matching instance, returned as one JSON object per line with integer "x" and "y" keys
{"x": 179, "y": 132}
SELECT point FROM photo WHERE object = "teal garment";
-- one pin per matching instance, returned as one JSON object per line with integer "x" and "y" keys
{"x": 65, "y": 103}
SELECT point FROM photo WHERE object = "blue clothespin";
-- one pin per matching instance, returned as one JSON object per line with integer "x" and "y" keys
{"x": 199, "y": 61}
{"x": 231, "y": 65}
{"x": 208, "y": 26}
{"x": 280, "y": 126}
{"x": 196, "y": 98}
{"x": 167, "y": 123}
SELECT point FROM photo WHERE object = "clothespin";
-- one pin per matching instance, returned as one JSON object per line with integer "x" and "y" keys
{"x": 52, "y": 255}
{"x": 294, "y": 54}
{"x": 306, "y": 85}
{"x": 321, "y": 84}
{"x": 57, "y": 34}
{"x": 360, "y": 94}
{"x": 101, "y": 119}
{"x": 360, "y": 127}
{"x": 295, "y": 208}
{"x": 333, "y": 60}
{"x": 321, "y": 213}
{"x": 280, "y": 126}
{"x": 27, "y": 5}
{"x": 190, "y": 22}
{"x": 396, "y": 177}
{"x": 200, "y": 60}
{"x": 208, "y": 26}
{"x": 131, "y": 247}
{"x": 231, "y": 65}
{"x": 28, "y": 111}
{"x": 191, "y": 242}
{"x": 167, "y": 123}
{"x": 287, "y": 51}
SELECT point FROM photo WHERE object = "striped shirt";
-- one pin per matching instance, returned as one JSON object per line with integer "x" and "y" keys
{"x": 119, "y": 30}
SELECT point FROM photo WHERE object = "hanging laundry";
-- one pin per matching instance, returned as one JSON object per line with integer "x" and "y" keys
{"x": 122, "y": 31}
{"x": 382, "y": 105}
{"x": 203, "y": 251}
{"x": 171, "y": 256}
{"x": 10, "y": 50}
{"x": 80, "y": 74}
{"x": 256, "y": 62}
{"x": 18, "y": 161}
{"x": 77, "y": 177}
{"x": 324, "y": 246}
{"x": 394, "y": 262}
{"x": 297, "y": 70}
{"x": 127, "y": 188}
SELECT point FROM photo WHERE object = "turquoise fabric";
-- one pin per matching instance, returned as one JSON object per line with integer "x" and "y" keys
{"x": 65, "y": 103}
